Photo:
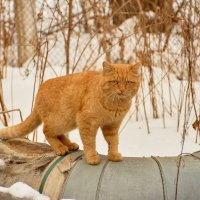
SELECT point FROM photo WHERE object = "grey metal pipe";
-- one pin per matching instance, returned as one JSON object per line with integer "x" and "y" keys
{"x": 152, "y": 178}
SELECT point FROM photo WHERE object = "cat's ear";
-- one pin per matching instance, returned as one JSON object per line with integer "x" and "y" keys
{"x": 107, "y": 68}
{"x": 135, "y": 68}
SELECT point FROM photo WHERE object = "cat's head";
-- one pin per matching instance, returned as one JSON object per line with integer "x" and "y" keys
{"x": 121, "y": 81}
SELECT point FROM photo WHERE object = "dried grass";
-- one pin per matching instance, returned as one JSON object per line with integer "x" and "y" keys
{"x": 77, "y": 35}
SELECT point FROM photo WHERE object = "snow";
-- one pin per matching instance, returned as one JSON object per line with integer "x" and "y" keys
{"x": 22, "y": 190}
{"x": 134, "y": 140}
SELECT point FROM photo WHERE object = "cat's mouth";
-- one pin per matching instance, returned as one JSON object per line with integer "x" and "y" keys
{"x": 122, "y": 95}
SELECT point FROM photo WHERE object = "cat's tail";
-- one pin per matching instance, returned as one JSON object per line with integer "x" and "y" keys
{"x": 22, "y": 129}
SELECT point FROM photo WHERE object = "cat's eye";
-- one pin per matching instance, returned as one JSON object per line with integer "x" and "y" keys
{"x": 114, "y": 82}
{"x": 129, "y": 82}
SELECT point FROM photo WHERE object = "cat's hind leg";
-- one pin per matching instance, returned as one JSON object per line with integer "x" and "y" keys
{"x": 72, "y": 146}
{"x": 55, "y": 142}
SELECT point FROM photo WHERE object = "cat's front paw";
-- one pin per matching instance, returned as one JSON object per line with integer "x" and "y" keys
{"x": 116, "y": 157}
{"x": 93, "y": 159}
{"x": 73, "y": 147}
{"x": 62, "y": 150}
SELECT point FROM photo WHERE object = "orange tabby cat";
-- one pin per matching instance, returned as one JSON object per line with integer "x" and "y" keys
{"x": 87, "y": 101}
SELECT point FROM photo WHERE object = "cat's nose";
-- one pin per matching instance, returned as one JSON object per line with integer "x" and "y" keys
{"x": 121, "y": 91}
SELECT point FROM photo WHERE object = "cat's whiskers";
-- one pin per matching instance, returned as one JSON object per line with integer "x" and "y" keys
{"x": 111, "y": 95}
{"x": 115, "y": 97}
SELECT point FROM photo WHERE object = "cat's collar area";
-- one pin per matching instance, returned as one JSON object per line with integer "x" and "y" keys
{"x": 113, "y": 106}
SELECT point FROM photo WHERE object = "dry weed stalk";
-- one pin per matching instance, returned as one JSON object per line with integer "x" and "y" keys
{"x": 78, "y": 34}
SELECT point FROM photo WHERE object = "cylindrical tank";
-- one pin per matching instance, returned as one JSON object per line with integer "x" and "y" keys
{"x": 154, "y": 178}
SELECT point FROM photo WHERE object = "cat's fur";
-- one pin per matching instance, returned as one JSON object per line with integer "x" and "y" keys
{"x": 87, "y": 101}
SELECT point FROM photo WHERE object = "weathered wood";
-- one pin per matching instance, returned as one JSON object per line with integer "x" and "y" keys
{"x": 5, "y": 196}
{"x": 25, "y": 161}
{"x": 33, "y": 164}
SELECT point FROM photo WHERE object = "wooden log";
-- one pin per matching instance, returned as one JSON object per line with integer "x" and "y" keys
{"x": 33, "y": 164}
{"x": 25, "y": 161}
{"x": 5, "y": 196}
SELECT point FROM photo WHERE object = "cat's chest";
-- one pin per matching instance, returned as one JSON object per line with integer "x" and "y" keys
{"x": 104, "y": 113}
{"x": 113, "y": 116}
